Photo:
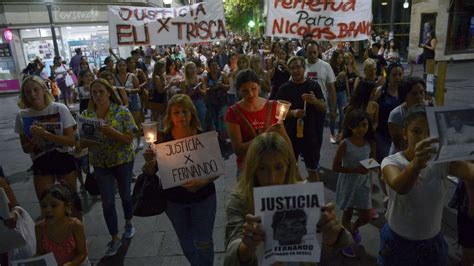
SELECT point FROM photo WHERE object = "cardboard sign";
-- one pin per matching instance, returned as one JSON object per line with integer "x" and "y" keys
{"x": 180, "y": 160}
{"x": 341, "y": 20}
{"x": 88, "y": 129}
{"x": 202, "y": 22}
{"x": 45, "y": 260}
{"x": 289, "y": 214}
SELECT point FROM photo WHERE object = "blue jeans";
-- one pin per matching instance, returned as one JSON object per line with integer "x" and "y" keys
{"x": 396, "y": 250}
{"x": 193, "y": 224}
{"x": 341, "y": 101}
{"x": 216, "y": 120}
{"x": 201, "y": 111}
{"x": 106, "y": 180}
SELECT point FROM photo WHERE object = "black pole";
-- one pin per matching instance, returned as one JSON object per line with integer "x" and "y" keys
{"x": 53, "y": 31}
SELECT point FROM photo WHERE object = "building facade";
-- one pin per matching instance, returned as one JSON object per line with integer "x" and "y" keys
{"x": 453, "y": 23}
{"x": 78, "y": 24}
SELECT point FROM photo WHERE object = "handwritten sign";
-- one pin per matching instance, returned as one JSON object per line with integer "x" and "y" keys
{"x": 343, "y": 20}
{"x": 289, "y": 214}
{"x": 180, "y": 160}
{"x": 88, "y": 129}
{"x": 202, "y": 22}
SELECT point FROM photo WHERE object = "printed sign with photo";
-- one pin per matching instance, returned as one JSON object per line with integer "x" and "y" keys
{"x": 88, "y": 129}
{"x": 180, "y": 160}
{"x": 289, "y": 214}
{"x": 454, "y": 127}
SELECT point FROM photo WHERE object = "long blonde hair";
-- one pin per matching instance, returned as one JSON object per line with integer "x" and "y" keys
{"x": 187, "y": 77}
{"x": 263, "y": 143}
{"x": 113, "y": 97}
{"x": 353, "y": 65}
{"x": 184, "y": 101}
{"x": 22, "y": 102}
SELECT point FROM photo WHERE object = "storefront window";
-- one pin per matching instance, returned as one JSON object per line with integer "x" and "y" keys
{"x": 460, "y": 37}
{"x": 93, "y": 41}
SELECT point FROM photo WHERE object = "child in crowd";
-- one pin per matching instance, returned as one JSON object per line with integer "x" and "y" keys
{"x": 353, "y": 184}
{"x": 58, "y": 232}
{"x": 417, "y": 193}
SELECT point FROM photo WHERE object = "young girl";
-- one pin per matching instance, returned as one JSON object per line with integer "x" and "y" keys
{"x": 59, "y": 233}
{"x": 353, "y": 184}
{"x": 417, "y": 193}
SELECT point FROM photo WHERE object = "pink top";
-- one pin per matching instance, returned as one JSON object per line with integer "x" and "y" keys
{"x": 63, "y": 252}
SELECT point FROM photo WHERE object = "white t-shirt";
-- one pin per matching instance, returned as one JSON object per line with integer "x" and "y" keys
{"x": 417, "y": 214}
{"x": 55, "y": 117}
{"x": 232, "y": 90}
{"x": 321, "y": 72}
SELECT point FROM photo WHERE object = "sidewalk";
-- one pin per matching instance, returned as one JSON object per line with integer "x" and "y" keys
{"x": 156, "y": 243}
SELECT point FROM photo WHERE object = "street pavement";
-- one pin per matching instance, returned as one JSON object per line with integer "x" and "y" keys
{"x": 155, "y": 242}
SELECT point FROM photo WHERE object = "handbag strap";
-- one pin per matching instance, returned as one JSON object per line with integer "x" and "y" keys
{"x": 269, "y": 114}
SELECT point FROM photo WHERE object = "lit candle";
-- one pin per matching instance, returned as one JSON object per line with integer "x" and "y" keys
{"x": 150, "y": 137}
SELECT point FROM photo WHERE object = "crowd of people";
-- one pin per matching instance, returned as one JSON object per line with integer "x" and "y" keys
{"x": 234, "y": 88}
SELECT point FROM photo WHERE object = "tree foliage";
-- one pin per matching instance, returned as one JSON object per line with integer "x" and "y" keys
{"x": 239, "y": 12}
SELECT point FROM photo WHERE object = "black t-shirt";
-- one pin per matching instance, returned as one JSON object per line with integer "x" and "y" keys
{"x": 281, "y": 77}
{"x": 179, "y": 194}
{"x": 313, "y": 120}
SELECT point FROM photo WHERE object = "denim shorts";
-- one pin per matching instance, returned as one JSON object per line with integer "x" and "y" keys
{"x": 396, "y": 250}
{"x": 134, "y": 104}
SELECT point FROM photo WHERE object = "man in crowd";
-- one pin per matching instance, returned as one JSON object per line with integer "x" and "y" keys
{"x": 76, "y": 61}
{"x": 322, "y": 72}
{"x": 307, "y": 102}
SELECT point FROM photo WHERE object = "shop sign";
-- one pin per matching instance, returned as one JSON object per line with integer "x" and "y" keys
{"x": 342, "y": 20}
{"x": 9, "y": 85}
{"x": 77, "y": 15}
{"x": 202, "y": 22}
{"x": 8, "y": 35}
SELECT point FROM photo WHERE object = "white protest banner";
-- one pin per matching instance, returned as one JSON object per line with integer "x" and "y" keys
{"x": 289, "y": 214}
{"x": 454, "y": 127}
{"x": 88, "y": 129}
{"x": 45, "y": 260}
{"x": 202, "y": 22}
{"x": 342, "y": 20}
{"x": 180, "y": 160}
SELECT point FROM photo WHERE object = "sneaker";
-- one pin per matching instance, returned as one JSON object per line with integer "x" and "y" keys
{"x": 129, "y": 231}
{"x": 374, "y": 214}
{"x": 357, "y": 237}
{"x": 113, "y": 247}
{"x": 348, "y": 252}
{"x": 332, "y": 139}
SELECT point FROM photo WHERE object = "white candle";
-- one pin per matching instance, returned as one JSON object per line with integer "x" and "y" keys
{"x": 282, "y": 112}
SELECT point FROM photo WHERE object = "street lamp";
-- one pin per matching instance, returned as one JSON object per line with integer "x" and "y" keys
{"x": 406, "y": 4}
{"x": 251, "y": 24}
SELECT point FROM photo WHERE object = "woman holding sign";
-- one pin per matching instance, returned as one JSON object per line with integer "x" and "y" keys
{"x": 270, "y": 161}
{"x": 113, "y": 158}
{"x": 46, "y": 130}
{"x": 191, "y": 207}
{"x": 417, "y": 190}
